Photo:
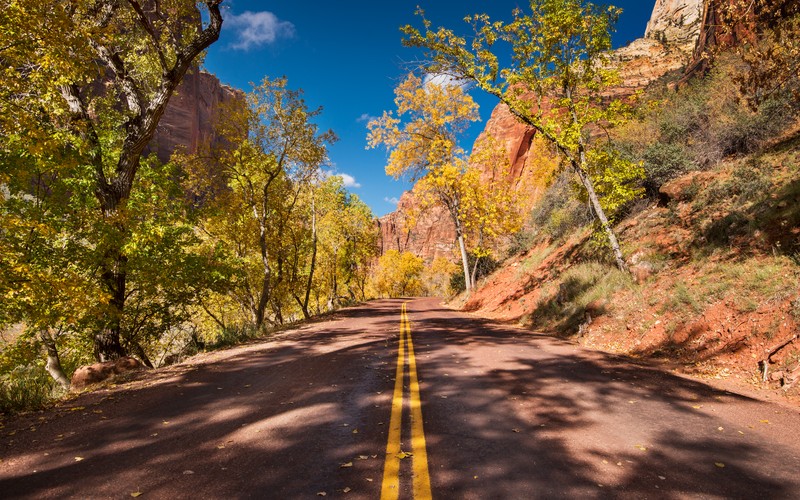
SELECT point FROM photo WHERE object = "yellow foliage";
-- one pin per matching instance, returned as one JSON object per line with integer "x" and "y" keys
{"x": 398, "y": 274}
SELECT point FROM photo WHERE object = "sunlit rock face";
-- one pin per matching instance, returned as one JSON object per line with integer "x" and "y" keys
{"x": 676, "y": 22}
{"x": 428, "y": 234}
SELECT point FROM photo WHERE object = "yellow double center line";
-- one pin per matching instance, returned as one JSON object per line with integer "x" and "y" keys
{"x": 421, "y": 483}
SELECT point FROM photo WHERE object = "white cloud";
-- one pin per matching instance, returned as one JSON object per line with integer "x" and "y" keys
{"x": 365, "y": 117}
{"x": 349, "y": 181}
{"x": 393, "y": 200}
{"x": 254, "y": 29}
{"x": 445, "y": 80}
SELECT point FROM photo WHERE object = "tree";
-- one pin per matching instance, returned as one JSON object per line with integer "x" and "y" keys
{"x": 766, "y": 35}
{"x": 93, "y": 78}
{"x": 425, "y": 145}
{"x": 272, "y": 154}
{"x": 398, "y": 274}
{"x": 491, "y": 202}
{"x": 555, "y": 82}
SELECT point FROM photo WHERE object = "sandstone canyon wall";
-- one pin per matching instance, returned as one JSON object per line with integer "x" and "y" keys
{"x": 669, "y": 40}
{"x": 189, "y": 118}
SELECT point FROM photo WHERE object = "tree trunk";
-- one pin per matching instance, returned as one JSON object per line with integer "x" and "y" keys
{"x": 107, "y": 341}
{"x": 137, "y": 350}
{"x": 601, "y": 215}
{"x": 53, "y": 365}
{"x": 474, "y": 275}
{"x": 465, "y": 262}
{"x": 309, "y": 282}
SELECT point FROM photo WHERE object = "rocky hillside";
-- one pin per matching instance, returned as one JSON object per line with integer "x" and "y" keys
{"x": 670, "y": 38}
{"x": 715, "y": 257}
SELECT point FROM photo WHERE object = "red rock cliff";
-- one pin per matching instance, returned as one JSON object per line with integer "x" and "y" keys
{"x": 189, "y": 119}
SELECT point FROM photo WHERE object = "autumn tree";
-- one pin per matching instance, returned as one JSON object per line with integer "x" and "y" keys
{"x": 766, "y": 35}
{"x": 272, "y": 152}
{"x": 398, "y": 274}
{"x": 492, "y": 208}
{"x": 91, "y": 79}
{"x": 423, "y": 144}
{"x": 552, "y": 77}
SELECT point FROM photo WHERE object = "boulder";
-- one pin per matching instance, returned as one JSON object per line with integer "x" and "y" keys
{"x": 98, "y": 372}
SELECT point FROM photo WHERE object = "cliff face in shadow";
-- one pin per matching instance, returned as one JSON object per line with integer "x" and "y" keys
{"x": 189, "y": 119}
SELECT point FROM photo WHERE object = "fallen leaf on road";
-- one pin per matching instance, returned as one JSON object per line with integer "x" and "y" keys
{"x": 640, "y": 446}
{"x": 322, "y": 494}
{"x": 697, "y": 407}
{"x": 720, "y": 465}
{"x": 355, "y": 431}
{"x": 362, "y": 457}
{"x": 403, "y": 454}
{"x": 188, "y": 472}
{"x": 720, "y": 429}
{"x": 764, "y": 421}
{"x": 369, "y": 479}
{"x": 348, "y": 464}
{"x": 662, "y": 478}
{"x": 373, "y": 456}
{"x": 77, "y": 408}
{"x": 220, "y": 446}
{"x": 136, "y": 494}
{"x": 78, "y": 459}
{"x": 346, "y": 490}
{"x": 515, "y": 430}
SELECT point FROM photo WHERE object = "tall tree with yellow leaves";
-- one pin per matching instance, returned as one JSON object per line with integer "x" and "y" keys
{"x": 557, "y": 71}
{"x": 92, "y": 79}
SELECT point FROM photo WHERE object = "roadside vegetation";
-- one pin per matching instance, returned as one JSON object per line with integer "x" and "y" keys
{"x": 105, "y": 251}
{"x": 669, "y": 226}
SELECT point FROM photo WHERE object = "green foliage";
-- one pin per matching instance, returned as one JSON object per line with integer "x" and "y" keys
{"x": 486, "y": 266}
{"x": 663, "y": 161}
{"x": 26, "y": 388}
{"x": 560, "y": 211}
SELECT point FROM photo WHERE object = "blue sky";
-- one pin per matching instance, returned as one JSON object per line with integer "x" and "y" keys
{"x": 347, "y": 56}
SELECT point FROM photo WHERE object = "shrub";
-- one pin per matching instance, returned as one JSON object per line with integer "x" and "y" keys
{"x": 559, "y": 212}
{"x": 26, "y": 388}
{"x": 486, "y": 266}
{"x": 664, "y": 161}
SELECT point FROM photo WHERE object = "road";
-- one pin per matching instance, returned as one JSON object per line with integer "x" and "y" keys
{"x": 499, "y": 413}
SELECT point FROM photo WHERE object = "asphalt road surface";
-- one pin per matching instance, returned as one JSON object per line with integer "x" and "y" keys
{"x": 482, "y": 411}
